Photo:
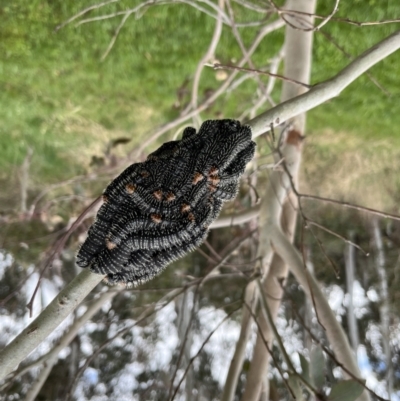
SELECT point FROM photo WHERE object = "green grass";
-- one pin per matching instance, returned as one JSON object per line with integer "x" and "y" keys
{"x": 57, "y": 97}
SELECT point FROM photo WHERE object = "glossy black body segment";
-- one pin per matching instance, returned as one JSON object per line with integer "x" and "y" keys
{"x": 156, "y": 211}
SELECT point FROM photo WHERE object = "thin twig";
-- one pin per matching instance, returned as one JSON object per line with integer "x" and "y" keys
{"x": 221, "y": 90}
{"x": 330, "y": 16}
{"x": 115, "y": 36}
{"x": 57, "y": 248}
{"x": 329, "y": 352}
{"x": 350, "y": 206}
{"x": 151, "y": 3}
{"x": 343, "y": 238}
{"x": 345, "y": 20}
{"x": 270, "y": 320}
{"x": 322, "y": 248}
{"x": 201, "y": 349}
{"x": 153, "y": 308}
{"x": 264, "y": 340}
{"x": 218, "y": 66}
{"x": 83, "y": 12}
{"x": 303, "y": 21}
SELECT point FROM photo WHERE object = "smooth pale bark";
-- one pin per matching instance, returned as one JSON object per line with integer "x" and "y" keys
{"x": 272, "y": 284}
{"x": 185, "y": 306}
{"x": 270, "y": 214}
{"x": 236, "y": 364}
{"x": 69, "y": 335}
{"x": 299, "y": 46}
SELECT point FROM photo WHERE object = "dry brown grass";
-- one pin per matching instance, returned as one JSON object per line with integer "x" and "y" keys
{"x": 352, "y": 169}
{"x": 91, "y": 138}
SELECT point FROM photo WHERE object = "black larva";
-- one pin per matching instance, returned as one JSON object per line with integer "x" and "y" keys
{"x": 157, "y": 211}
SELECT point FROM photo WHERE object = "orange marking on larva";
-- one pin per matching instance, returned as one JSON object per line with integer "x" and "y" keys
{"x": 213, "y": 171}
{"x": 170, "y": 197}
{"x": 185, "y": 208}
{"x": 212, "y": 188}
{"x": 191, "y": 217}
{"x": 110, "y": 245}
{"x": 156, "y": 218}
{"x": 214, "y": 179}
{"x": 130, "y": 188}
{"x": 197, "y": 178}
{"x": 104, "y": 198}
{"x": 144, "y": 174}
{"x": 158, "y": 194}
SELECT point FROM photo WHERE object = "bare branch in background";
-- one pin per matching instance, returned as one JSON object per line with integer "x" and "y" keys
{"x": 150, "y": 3}
{"x": 331, "y": 39}
{"x": 58, "y": 247}
{"x": 83, "y": 12}
{"x": 328, "y": 352}
{"x": 338, "y": 19}
{"x": 302, "y": 23}
{"x": 350, "y": 263}
{"x": 198, "y": 352}
{"x": 218, "y": 66}
{"x": 209, "y": 55}
{"x": 221, "y": 90}
{"x": 115, "y": 36}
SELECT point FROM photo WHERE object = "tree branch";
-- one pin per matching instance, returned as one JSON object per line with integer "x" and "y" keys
{"x": 326, "y": 90}
{"x": 70, "y": 334}
{"x": 62, "y": 305}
